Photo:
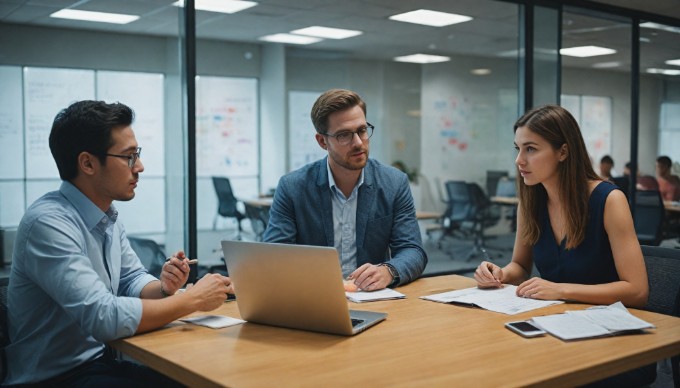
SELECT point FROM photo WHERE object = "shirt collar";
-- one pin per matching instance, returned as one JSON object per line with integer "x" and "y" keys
{"x": 331, "y": 180}
{"x": 89, "y": 212}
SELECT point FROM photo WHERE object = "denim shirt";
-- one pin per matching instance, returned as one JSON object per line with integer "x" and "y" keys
{"x": 74, "y": 284}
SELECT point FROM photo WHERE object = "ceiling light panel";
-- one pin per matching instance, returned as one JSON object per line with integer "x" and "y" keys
{"x": 430, "y": 18}
{"x": 90, "y": 16}
{"x": 586, "y": 51}
{"x": 327, "y": 32}
{"x": 664, "y": 71}
{"x": 290, "y": 38}
{"x": 675, "y": 62}
{"x": 422, "y": 58}
{"x": 221, "y": 6}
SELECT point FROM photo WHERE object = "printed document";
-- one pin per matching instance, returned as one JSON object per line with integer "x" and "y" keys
{"x": 366, "y": 296}
{"x": 501, "y": 300}
{"x": 213, "y": 321}
{"x": 596, "y": 321}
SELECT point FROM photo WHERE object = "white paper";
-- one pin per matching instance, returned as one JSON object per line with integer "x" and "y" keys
{"x": 501, "y": 300}
{"x": 214, "y": 321}
{"x": 369, "y": 296}
{"x": 592, "y": 322}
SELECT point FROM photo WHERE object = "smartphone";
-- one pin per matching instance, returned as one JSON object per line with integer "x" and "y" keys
{"x": 525, "y": 329}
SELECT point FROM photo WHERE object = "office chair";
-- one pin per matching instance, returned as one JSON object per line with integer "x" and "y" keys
{"x": 484, "y": 214}
{"x": 458, "y": 211}
{"x": 226, "y": 206}
{"x": 150, "y": 254}
{"x": 663, "y": 272}
{"x": 259, "y": 219}
{"x": 4, "y": 330}
{"x": 492, "y": 180}
{"x": 649, "y": 217}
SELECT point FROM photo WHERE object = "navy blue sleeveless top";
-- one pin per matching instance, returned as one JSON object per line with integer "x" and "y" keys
{"x": 591, "y": 262}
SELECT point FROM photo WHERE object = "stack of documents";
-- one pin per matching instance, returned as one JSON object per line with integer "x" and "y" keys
{"x": 501, "y": 300}
{"x": 596, "y": 321}
{"x": 213, "y": 321}
{"x": 365, "y": 296}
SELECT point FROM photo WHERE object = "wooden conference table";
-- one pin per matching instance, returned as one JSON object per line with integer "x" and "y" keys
{"x": 421, "y": 343}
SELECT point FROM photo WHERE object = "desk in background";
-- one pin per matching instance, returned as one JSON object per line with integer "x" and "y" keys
{"x": 421, "y": 342}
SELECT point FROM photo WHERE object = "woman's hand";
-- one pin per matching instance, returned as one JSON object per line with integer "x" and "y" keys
{"x": 537, "y": 288}
{"x": 489, "y": 275}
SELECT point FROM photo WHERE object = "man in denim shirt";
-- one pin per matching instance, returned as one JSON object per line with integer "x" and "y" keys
{"x": 359, "y": 206}
{"x": 75, "y": 282}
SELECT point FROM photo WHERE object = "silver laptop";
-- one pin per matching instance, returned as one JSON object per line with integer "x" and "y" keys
{"x": 293, "y": 286}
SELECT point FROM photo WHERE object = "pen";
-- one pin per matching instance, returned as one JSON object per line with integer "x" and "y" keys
{"x": 490, "y": 266}
{"x": 191, "y": 261}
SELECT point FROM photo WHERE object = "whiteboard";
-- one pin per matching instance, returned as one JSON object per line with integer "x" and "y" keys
{"x": 302, "y": 145}
{"x": 596, "y": 125}
{"x": 143, "y": 92}
{"x": 46, "y": 92}
{"x": 11, "y": 124}
{"x": 11, "y": 203}
{"x": 227, "y": 135}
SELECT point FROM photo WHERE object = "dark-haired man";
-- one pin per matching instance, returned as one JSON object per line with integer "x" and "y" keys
{"x": 75, "y": 282}
{"x": 669, "y": 184}
{"x": 359, "y": 206}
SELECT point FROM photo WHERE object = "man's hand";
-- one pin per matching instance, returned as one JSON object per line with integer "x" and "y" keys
{"x": 175, "y": 273}
{"x": 210, "y": 291}
{"x": 370, "y": 277}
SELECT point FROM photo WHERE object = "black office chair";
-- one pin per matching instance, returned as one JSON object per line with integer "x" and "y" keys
{"x": 227, "y": 203}
{"x": 507, "y": 187}
{"x": 4, "y": 330}
{"x": 484, "y": 215}
{"x": 649, "y": 217}
{"x": 492, "y": 179}
{"x": 150, "y": 254}
{"x": 663, "y": 272}
{"x": 458, "y": 210}
{"x": 259, "y": 218}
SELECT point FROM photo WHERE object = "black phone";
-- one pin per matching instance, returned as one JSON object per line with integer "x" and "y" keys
{"x": 525, "y": 329}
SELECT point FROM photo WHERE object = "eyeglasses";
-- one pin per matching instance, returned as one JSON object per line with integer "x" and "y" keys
{"x": 345, "y": 137}
{"x": 132, "y": 158}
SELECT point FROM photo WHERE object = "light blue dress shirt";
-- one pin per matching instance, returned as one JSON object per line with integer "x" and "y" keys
{"x": 74, "y": 284}
{"x": 345, "y": 223}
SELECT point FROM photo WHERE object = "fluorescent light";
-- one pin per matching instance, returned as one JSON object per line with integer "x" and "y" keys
{"x": 221, "y": 6}
{"x": 586, "y": 51}
{"x": 430, "y": 18}
{"x": 90, "y": 16}
{"x": 675, "y": 62}
{"x": 480, "y": 71}
{"x": 663, "y": 27}
{"x": 327, "y": 32}
{"x": 664, "y": 71}
{"x": 290, "y": 38}
{"x": 422, "y": 58}
{"x": 606, "y": 65}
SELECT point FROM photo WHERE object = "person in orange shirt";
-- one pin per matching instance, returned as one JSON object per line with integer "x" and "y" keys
{"x": 669, "y": 184}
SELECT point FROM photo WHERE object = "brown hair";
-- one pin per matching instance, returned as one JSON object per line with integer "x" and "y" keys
{"x": 557, "y": 126}
{"x": 331, "y": 101}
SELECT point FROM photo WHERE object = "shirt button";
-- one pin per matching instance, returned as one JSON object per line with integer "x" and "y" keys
{"x": 104, "y": 220}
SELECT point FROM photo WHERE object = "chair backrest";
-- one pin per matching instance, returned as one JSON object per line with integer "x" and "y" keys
{"x": 459, "y": 203}
{"x": 150, "y": 254}
{"x": 492, "y": 179}
{"x": 4, "y": 329}
{"x": 258, "y": 217}
{"x": 482, "y": 206}
{"x": 663, "y": 271}
{"x": 507, "y": 187}
{"x": 227, "y": 202}
{"x": 649, "y": 216}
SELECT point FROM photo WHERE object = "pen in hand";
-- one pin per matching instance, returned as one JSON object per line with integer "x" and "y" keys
{"x": 490, "y": 266}
{"x": 191, "y": 261}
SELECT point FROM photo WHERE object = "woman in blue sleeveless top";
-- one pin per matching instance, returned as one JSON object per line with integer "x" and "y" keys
{"x": 576, "y": 228}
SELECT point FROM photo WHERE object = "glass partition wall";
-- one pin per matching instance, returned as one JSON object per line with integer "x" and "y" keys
{"x": 443, "y": 97}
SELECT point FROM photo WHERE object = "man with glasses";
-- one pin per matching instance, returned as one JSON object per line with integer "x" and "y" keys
{"x": 359, "y": 206}
{"x": 75, "y": 283}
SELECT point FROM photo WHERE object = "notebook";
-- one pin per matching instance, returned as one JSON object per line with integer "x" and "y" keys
{"x": 293, "y": 286}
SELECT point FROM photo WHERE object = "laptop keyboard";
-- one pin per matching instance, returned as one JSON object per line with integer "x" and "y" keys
{"x": 357, "y": 321}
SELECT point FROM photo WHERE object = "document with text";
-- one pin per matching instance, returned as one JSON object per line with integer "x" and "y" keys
{"x": 370, "y": 296}
{"x": 593, "y": 322}
{"x": 501, "y": 300}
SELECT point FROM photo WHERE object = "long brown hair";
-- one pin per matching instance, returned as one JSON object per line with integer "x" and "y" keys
{"x": 557, "y": 126}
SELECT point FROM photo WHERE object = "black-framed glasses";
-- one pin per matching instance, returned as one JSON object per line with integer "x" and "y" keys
{"x": 345, "y": 137}
{"x": 132, "y": 158}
